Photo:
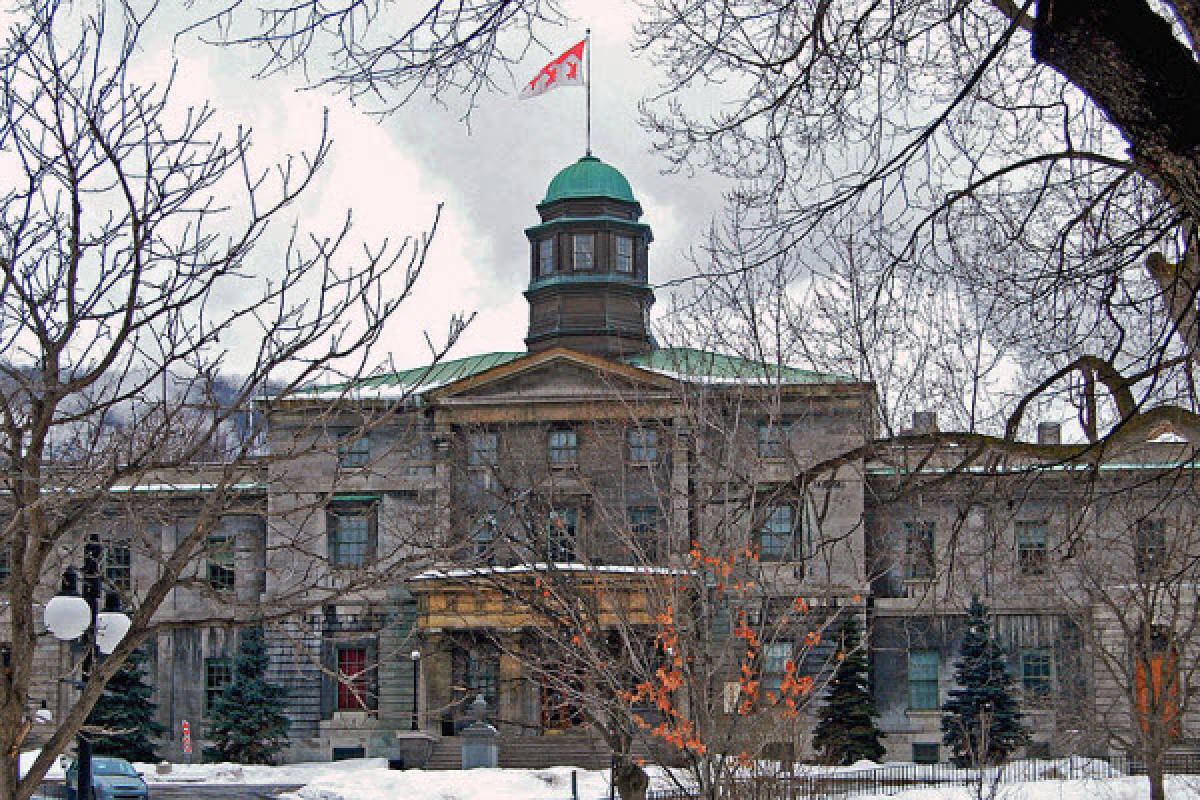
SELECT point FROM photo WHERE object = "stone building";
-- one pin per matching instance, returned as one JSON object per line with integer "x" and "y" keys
{"x": 597, "y": 453}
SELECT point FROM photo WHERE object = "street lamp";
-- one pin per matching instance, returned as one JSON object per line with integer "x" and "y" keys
{"x": 415, "y": 655}
{"x": 69, "y": 616}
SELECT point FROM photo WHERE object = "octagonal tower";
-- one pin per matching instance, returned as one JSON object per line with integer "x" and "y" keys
{"x": 588, "y": 275}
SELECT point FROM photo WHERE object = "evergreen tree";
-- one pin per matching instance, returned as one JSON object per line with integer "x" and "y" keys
{"x": 847, "y": 732}
{"x": 247, "y": 724}
{"x": 123, "y": 717}
{"x": 981, "y": 720}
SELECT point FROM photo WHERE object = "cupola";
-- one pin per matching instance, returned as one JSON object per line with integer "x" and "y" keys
{"x": 589, "y": 284}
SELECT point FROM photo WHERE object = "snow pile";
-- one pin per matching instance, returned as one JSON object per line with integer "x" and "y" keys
{"x": 476, "y": 784}
{"x": 57, "y": 771}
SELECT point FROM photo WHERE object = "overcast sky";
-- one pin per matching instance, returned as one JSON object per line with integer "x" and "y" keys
{"x": 394, "y": 171}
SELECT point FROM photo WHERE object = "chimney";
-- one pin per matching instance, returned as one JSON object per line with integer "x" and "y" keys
{"x": 1049, "y": 433}
{"x": 924, "y": 422}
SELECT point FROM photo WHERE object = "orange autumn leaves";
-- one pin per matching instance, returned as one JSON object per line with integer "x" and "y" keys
{"x": 665, "y": 690}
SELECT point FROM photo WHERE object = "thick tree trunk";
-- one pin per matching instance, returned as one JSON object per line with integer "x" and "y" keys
{"x": 631, "y": 780}
{"x": 1125, "y": 57}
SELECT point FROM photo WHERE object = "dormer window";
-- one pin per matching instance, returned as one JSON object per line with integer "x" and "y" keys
{"x": 584, "y": 250}
{"x": 623, "y": 254}
{"x": 546, "y": 257}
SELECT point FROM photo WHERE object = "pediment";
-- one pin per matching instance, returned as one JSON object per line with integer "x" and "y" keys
{"x": 556, "y": 374}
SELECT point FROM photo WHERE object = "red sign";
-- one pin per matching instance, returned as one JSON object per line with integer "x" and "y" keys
{"x": 187, "y": 738}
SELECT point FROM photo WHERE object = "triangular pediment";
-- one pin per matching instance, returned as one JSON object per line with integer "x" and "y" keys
{"x": 556, "y": 374}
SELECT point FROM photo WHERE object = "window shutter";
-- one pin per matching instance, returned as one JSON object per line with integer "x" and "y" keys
{"x": 372, "y": 648}
{"x": 328, "y": 682}
{"x": 372, "y": 532}
{"x": 330, "y": 535}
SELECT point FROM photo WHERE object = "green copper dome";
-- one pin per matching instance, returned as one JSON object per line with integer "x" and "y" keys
{"x": 589, "y": 177}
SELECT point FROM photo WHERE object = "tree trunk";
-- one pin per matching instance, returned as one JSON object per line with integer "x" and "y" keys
{"x": 631, "y": 780}
{"x": 1154, "y": 773}
{"x": 1126, "y": 58}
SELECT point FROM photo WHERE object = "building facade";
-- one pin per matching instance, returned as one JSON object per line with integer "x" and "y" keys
{"x": 398, "y": 558}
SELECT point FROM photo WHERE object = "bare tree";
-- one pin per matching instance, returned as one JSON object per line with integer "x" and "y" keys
{"x": 134, "y": 238}
{"x": 670, "y": 595}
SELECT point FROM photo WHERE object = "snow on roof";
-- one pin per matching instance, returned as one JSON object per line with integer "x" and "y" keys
{"x": 1022, "y": 469}
{"x": 525, "y": 569}
{"x": 189, "y": 487}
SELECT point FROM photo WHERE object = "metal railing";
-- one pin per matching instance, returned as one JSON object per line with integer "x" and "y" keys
{"x": 826, "y": 784}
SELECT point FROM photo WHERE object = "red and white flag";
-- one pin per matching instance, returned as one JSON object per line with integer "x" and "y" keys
{"x": 566, "y": 70}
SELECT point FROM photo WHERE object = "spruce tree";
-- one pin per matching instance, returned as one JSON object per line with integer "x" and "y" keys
{"x": 982, "y": 722}
{"x": 847, "y": 732}
{"x": 247, "y": 724}
{"x": 123, "y": 717}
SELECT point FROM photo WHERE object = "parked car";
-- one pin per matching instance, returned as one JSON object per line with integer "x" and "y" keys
{"x": 112, "y": 779}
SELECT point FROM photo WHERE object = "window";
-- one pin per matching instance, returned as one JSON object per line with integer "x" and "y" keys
{"x": 925, "y": 753}
{"x": 918, "y": 550}
{"x": 218, "y": 673}
{"x": 776, "y": 538}
{"x": 484, "y": 540}
{"x": 584, "y": 247}
{"x": 776, "y": 656}
{"x": 416, "y": 448}
{"x": 773, "y": 439}
{"x": 1149, "y": 546}
{"x": 643, "y": 525}
{"x": 643, "y": 446}
{"x": 350, "y": 537}
{"x": 1037, "y": 671}
{"x": 560, "y": 535}
{"x": 623, "y": 254}
{"x": 117, "y": 567}
{"x": 352, "y": 689}
{"x": 5, "y": 562}
{"x": 354, "y": 451}
{"x": 220, "y": 555}
{"x": 482, "y": 449}
{"x": 1031, "y": 547}
{"x": 1156, "y": 681}
{"x": 546, "y": 257}
{"x": 482, "y": 675}
{"x": 564, "y": 448}
{"x": 923, "y": 680}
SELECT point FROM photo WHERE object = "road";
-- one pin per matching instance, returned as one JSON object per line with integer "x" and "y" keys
{"x": 216, "y": 791}
{"x": 191, "y": 791}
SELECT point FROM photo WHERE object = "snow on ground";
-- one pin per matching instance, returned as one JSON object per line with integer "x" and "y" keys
{"x": 370, "y": 779}
{"x": 476, "y": 784}
{"x": 1179, "y": 787}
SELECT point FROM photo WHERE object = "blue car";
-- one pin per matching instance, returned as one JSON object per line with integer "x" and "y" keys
{"x": 112, "y": 779}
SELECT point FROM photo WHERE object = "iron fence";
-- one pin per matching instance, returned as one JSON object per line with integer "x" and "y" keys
{"x": 816, "y": 783}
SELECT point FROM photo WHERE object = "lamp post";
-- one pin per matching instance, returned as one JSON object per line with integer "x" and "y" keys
{"x": 415, "y": 655}
{"x": 70, "y": 616}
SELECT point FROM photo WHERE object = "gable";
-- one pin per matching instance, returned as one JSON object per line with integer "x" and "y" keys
{"x": 556, "y": 375}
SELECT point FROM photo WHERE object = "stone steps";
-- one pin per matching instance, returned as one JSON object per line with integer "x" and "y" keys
{"x": 571, "y": 749}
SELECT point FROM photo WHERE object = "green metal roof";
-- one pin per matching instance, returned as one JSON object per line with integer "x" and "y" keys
{"x": 681, "y": 363}
{"x": 687, "y": 363}
{"x": 589, "y": 177}
{"x": 418, "y": 379}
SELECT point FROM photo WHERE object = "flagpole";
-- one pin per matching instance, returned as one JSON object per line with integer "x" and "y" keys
{"x": 587, "y": 83}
